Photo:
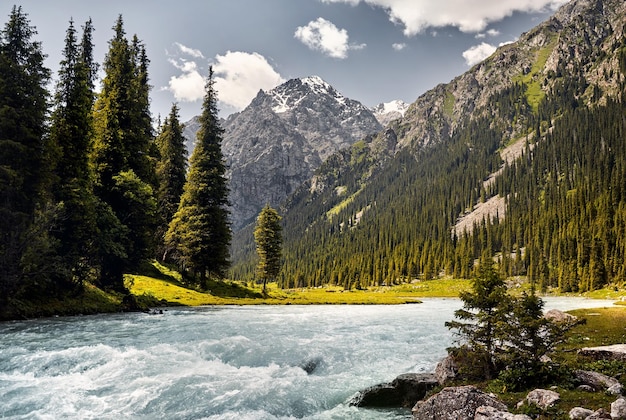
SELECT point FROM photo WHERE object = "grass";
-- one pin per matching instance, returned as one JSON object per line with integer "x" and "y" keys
{"x": 534, "y": 93}
{"x": 160, "y": 285}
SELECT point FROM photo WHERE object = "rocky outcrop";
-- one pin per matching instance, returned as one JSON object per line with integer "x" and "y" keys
{"x": 459, "y": 403}
{"x": 446, "y": 370}
{"x": 490, "y": 413}
{"x": 542, "y": 398}
{"x": 281, "y": 138}
{"x": 403, "y": 391}
{"x": 618, "y": 409}
{"x": 579, "y": 413}
{"x": 559, "y": 317}
{"x": 613, "y": 352}
{"x": 598, "y": 382}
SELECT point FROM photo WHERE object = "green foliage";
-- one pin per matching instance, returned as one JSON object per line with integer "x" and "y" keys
{"x": 269, "y": 243}
{"x": 481, "y": 321}
{"x": 200, "y": 233}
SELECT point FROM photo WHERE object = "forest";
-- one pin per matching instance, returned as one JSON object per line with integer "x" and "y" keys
{"x": 563, "y": 228}
{"x": 89, "y": 188}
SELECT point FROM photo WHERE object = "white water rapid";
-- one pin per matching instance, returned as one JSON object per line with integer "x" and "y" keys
{"x": 221, "y": 362}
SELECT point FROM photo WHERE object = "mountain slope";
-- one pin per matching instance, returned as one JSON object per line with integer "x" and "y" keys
{"x": 277, "y": 142}
{"x": 384, "y": 211}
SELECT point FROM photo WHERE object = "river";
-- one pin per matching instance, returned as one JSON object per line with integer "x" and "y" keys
{"x": 245, "y": 362}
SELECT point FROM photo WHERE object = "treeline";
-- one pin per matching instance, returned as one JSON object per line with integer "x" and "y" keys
{"x": 89, "y": 189}
{"x": 565, "y": 203}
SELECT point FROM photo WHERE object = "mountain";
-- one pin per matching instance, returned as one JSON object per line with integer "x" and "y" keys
{"x": 282, "y": 137}
{"x": 388, "y": 111}
{"x": 521, "y": 157}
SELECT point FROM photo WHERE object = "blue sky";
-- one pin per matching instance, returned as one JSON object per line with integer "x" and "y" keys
{"x": 369, "y": 50}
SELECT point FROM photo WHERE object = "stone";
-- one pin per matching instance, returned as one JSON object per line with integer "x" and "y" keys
{"x": 542, "y": 398}
{"x": 446, "y": 370}
{"x": 403, "y": 391}
{"x": 579, "y": 413}
{"x": 612, "y": 352}
{"x": 457, "y": 403}
{"x": 486, "y": 412}
{"x": 618, "y": 409}
{"x": 598, "y": 381}
{"x": 559, "y": 317}
{"x": 586, "y": 388}
{"x": 599, "y": 415}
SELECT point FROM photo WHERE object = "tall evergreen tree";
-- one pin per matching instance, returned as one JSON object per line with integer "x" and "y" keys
{"x": 23, "y": 113}
{"x": 200, "y": 231}
{"x": 124, "y": 172}
{"x": 269, "y": 243}
{"x": 70, "y": 135}
{"x": 171, "y": 172}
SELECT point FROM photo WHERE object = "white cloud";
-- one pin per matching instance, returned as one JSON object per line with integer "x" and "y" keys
{"x": 322, "y": 35}
{"x": 478, "y": 53}
{"x": 398, "y": 46}
{"x": 189, "y": 51}
{"x": 417, "y": 15}
{"x": 240, "y": 75}
{"x": 188, "y": 86}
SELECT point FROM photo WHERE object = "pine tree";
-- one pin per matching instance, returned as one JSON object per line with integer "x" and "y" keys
{"x": 171, "y": 172}
{"x": 269, "y": 242}
{"x": 23, "y": 160}
{"x": 70, "y": 134}
{"x": 481, "y": 318}
{"x": 121, "y": 158}
{"x": 200, "y": 231}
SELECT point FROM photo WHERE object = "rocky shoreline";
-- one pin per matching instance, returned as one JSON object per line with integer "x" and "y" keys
{"x": 467, "y": 402}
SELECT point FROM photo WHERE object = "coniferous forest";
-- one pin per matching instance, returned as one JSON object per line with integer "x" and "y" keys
{"x": 88, "y": 186}
{"x": 91, "y": 187}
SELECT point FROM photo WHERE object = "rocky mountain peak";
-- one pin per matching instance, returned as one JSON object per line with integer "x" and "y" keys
{"x": 282, "y": 137}
{"x": 386, "y": 112}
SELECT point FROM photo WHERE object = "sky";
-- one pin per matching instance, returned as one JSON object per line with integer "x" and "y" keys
{"x": 372, "y": 51}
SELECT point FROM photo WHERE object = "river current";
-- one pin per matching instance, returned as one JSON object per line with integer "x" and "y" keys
{"x": 261, "y": 362}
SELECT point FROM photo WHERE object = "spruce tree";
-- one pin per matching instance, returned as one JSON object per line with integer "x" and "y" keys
{"x": 70, "y": 135}
{"x": 23, "y": 150}
{"x": 200, "y": 231}
{"x": 124, "y": 172}
{"x": 480, "y": 321}
{"x": 269, "y": 242}
{"x": 171, "y": 172}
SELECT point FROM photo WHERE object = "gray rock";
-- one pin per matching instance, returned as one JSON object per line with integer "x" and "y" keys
{"x": 446, "y": 370}
{"x": 403, "y": 391}
{"x": 599, "y": 414}
{"x": 618, "y": 409}
{"x": 613, "y": 352}
{"x": 559, "y": 317}
{"x": 542, "y": 398}
{"x": 459, "y": 403}
{"x": 586, "y": 388}
{"x": 490, "y": 413}
{"x": 598, "y": 381}
{"x": 579, "y": 413}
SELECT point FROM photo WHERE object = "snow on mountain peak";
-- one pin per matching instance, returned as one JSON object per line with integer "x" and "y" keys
{"x": 291, "y": 93}
{"x": 393, "y": 106}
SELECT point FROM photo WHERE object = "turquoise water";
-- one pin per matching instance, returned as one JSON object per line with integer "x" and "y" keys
{"x": 220, "y": 362}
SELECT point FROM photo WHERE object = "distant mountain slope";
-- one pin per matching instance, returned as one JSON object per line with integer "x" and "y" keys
{"x": 388, "y": 111}
{"x": 384, "y": 210}
{"x": 277, "y": 142}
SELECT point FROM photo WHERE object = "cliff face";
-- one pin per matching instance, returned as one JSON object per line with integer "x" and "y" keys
{"x": 282, "y": 137}
{"x": 582, "y": 35}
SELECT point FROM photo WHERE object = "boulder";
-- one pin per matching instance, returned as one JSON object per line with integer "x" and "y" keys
{"x": 613, "y": 352}
{"x": 542, "y": 398}
{"x": 486, "y": 412}
{"x": 403, "y": 391}
{"x": 446, "y": 370}
{"x": 598, "y": 381}
{"x": 559, "y": 317}
{"x": 579, "y": 413}
{"x": 618, "y": 409}
{"x": 599, "y": 414}
{"x": 459, "y": 403}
